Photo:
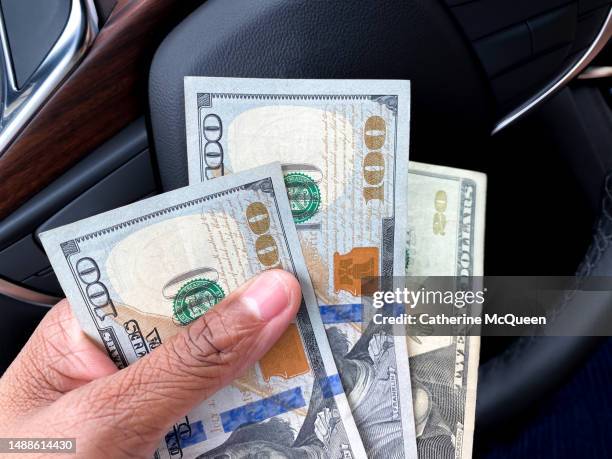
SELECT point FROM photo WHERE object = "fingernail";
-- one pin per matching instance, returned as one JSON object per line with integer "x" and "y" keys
{"x": 267, "y": 295}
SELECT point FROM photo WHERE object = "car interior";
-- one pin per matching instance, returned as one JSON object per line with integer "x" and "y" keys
{"x": 92, "y": 118}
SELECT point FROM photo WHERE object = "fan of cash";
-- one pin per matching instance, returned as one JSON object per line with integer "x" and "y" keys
{"x": 311, "y": 176}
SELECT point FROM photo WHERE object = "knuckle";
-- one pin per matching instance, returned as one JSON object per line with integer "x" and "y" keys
{"x": 214, "y": 329}
{"x": 205, "y": 350}
{"x": 209, "y": 341}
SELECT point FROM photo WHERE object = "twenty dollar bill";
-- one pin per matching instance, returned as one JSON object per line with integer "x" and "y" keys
{"x": 343, "y": 146}
{"x": 445, "y": 238}
{"x": 136, "y": 275}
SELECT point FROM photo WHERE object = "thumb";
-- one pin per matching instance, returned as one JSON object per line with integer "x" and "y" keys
{"x": 145, "y": 399}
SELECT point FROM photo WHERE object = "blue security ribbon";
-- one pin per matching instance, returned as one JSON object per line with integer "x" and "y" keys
{"x": 331, "y": 386}
{"x": 341, "y": 313}
{"x": 261, "y": 410}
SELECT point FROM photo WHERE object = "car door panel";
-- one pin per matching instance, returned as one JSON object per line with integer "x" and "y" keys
{"x": 115, "y": 174}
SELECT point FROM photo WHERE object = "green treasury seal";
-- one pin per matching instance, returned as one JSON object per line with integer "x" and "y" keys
{"x": 195, "y": 298}
{"x": 304, "y": 196}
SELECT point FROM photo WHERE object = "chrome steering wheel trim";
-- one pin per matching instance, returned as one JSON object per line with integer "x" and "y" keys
{"x": 564, "y": 78}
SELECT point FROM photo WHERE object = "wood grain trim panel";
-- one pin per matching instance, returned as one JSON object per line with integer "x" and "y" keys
{"x": 105, "y": 93}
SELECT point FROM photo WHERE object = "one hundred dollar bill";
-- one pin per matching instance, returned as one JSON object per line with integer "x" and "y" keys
{"x": 445, "y": 238}
{"x": 137, "y": 275}
{"x": 343, "y": 146}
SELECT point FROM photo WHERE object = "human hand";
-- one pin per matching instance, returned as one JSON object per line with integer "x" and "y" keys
{"x": 62, "y": 385}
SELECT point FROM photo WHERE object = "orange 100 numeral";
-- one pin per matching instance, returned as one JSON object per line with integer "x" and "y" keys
{"x": 266, "y": 249}
{"x": 374, "y": 135}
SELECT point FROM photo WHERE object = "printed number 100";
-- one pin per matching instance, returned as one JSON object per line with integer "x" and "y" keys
{"x": 374, "y": 135}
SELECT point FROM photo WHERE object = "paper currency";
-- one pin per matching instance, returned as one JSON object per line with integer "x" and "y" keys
{"x": 445, "y": 238}
{"x": 136, "y": 275}
{"x": 343, "y": 145}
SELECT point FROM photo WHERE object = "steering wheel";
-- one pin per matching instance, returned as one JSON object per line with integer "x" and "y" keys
{"x": 452, "y": 98}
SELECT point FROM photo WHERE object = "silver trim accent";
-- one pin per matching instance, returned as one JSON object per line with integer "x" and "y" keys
{"x": 600, "y": 41}
{"x": 26, "y": 295}
{"x": 19, "y": 105}
{"x": 593, "y": 73}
